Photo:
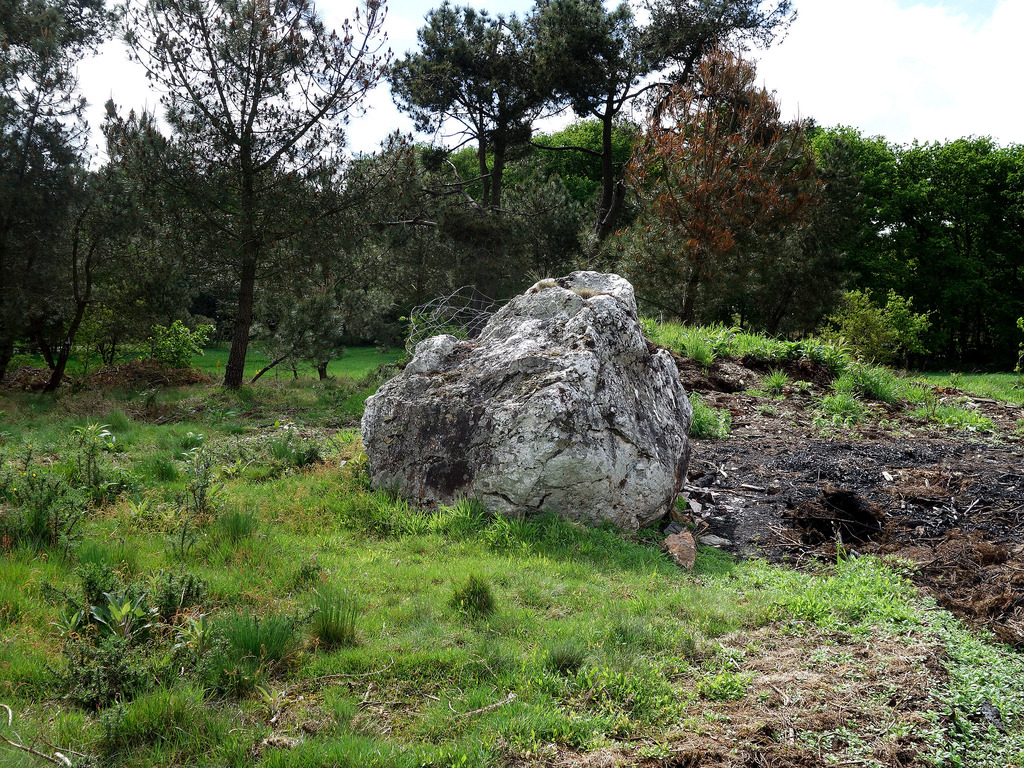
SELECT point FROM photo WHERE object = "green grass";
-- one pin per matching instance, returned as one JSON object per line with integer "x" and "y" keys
{"x": 325, "y": 602}
{"x": 356, "y": 362}
{"x": 1005, "y": 387}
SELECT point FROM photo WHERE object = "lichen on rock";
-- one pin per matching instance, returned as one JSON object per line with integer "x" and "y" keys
{"x": 559, "y": 405}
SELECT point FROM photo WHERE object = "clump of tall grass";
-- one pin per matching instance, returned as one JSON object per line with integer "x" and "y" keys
{"x": 334, "y": 623}
{"x": 474, "y": 598}
{"x": 708, "y": 423}
{"x": 869, "y": 381}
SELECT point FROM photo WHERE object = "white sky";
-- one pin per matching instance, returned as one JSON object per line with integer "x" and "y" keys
{"x": 932, "y": 70}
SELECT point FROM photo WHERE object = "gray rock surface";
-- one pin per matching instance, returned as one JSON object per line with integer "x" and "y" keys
{"x": 558, "y": 406}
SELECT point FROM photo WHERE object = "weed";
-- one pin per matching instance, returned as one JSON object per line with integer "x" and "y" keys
{"x": 954, "y": 416}
{"x": 870, "y": 382}
{"x": 122, "y": 615}
{"x": 334, "y": 623}
{"x": 708, "y": 423}
{"x": 174, "y": 592}
{"x": 474, "y": 598}
{"x": 92, "y": 440}
{"x": 700, "y": 350}
{"x": 841, "y": 409}
{"x": 294, "y": 452}
{"x": 775, "y": 383}
{"x": 725, "y": 686}
{"x": 244, "y": 649}
{"x": 195, "y": 503}
{"x": 45, "y": 512}
{"x": 269, "y": 639}
{"x": 11, "y": 606}
{"x": 308, "y": 572}
{"x": 196, "y": 635}
{"x": 96, "y": 579}
{"x": 165, "y": 717}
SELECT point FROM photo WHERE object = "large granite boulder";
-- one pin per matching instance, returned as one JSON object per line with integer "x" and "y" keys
{"x": 559, "y": 405}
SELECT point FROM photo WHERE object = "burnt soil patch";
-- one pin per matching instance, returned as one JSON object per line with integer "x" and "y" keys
{"x": 950, "y": 502}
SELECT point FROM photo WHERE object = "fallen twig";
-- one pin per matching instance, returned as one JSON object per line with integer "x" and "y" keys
{"x": 508, "y": 699}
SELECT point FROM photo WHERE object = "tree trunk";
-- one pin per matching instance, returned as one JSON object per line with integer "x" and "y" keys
{"x": 266, "y": 368}
{"x": 690, "y": 302}
{"x": 65, "y": 349}
{"x": 612, "y": 189}
{"x": 6, "y": 353}
{"x": 321, "y": 369}
{"x": 235, "y": 367}
{"x": 481, "y": 156}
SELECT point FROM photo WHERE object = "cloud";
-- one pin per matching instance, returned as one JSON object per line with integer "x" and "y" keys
{"x": 921, "y": 72}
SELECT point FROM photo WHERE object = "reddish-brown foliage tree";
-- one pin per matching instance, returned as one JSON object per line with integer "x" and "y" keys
{"x": 720, "y": 173}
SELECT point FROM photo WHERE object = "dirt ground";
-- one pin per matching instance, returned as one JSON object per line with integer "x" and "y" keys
{"x": 949, "y": 501}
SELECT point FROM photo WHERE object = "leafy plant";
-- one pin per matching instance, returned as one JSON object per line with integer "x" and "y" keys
{"x": 196, "y": 502}
{"x": 122, "y": 615}
{"x": 175, "y": 345}
{"x": 92, "y": 440}
{"x": 886, "y": 334}
{"x": 725, "y": 686}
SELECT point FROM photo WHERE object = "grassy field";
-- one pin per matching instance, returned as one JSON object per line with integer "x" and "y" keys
{"x": 355, "y": 362}
{"x": 205, "y": 578}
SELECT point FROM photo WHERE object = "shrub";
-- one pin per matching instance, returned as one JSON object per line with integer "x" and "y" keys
{"x": 886, "y": 334}
{"x": 98, "y": 675}
{"x": 175, "y": 346}
{"x": 45, "y": 511}
{"x": 334, "y": 623}
{"x": 97, "y": 579}
{"x": 474, "y": 597}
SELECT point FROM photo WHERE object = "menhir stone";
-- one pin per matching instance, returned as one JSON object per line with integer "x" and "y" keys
{"x": 559, "y": 405}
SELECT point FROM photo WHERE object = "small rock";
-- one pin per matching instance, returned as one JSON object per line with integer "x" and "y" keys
{"x": 715, "y": 541}
{"x": 681, "y": 549}
{"x": 674, "y": 527}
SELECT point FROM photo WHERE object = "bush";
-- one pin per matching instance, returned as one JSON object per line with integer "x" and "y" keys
{"x": 98, "y": 675}
{"x": 887, "y": 335}
{"x": 175, "y": 346}
{"x": 44, "y": 510}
